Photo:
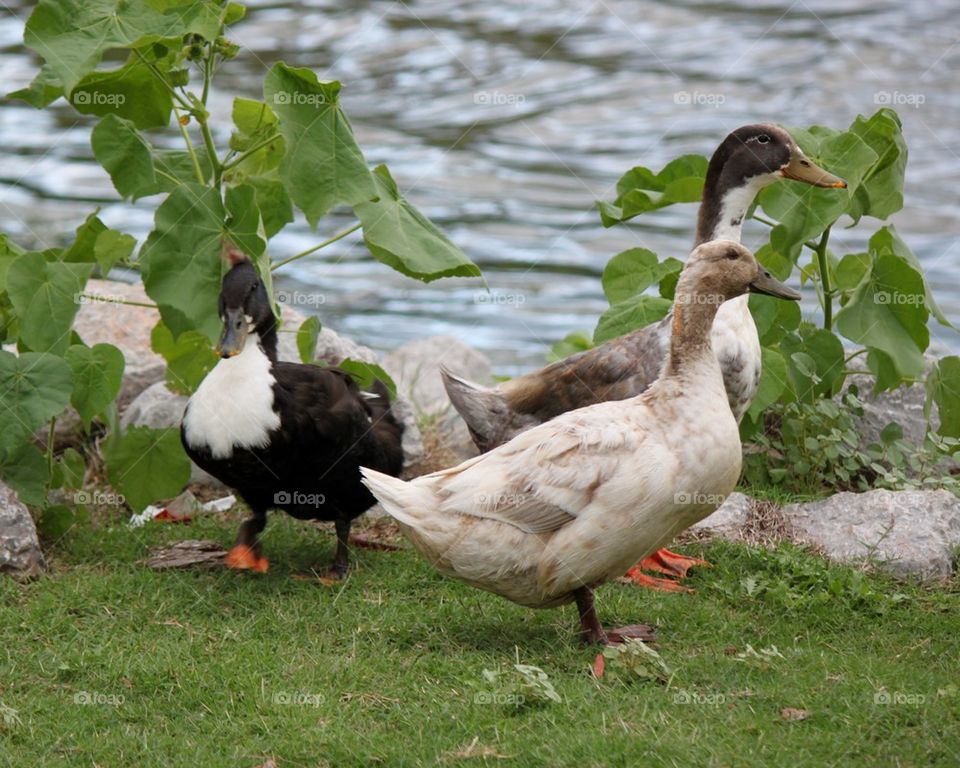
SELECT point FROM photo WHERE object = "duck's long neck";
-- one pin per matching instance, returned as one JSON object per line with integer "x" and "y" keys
{"x": 726, "y": 201}
{"x": 267, "y": 331}
{"x": 690, "y": 346}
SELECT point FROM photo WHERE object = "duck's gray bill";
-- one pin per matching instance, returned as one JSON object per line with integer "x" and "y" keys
{"x": 768, "y": 285}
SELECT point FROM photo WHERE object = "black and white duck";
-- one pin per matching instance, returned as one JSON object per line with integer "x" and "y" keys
{"x": 567, "y": 505}
{"x": 750, "y": 158}
{"x": 285, "y": 435}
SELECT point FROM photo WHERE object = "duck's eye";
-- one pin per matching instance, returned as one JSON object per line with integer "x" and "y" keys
{"x": 763, "y": 138}
{"x": 733, "y": 255}
{"x": 254, "y": 286}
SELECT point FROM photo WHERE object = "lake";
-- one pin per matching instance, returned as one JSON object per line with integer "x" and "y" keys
{"x": 506, "y": 121}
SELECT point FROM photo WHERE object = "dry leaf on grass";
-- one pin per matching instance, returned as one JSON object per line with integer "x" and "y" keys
{"x": 792, "y": 713}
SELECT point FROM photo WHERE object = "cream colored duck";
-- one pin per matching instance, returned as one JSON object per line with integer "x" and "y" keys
{"x": 570, "y": 504}
{"x": 749, "y": 159}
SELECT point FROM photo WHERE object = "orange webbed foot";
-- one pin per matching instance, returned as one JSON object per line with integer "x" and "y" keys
{"x": 671, "y": 563}
{"x": 242, "y": 557}
{"x": 641, "y": 579}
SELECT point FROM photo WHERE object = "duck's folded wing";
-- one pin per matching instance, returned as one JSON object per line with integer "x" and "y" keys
{"x": 543, "y": 479}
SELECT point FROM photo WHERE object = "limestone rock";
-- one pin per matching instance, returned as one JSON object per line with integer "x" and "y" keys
{"x": 729, "y": 520}
{"x": 911, "y": 534}
{"x": 20, "y": 551}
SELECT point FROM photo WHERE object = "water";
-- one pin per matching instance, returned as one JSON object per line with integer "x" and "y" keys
{"x": 506, "y": 121}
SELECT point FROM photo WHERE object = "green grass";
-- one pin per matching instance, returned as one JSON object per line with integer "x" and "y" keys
{"x": 389, "y": 666}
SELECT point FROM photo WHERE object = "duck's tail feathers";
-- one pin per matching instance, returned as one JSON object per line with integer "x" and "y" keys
{"x": 399, "y": 498}
{"x": 484, "y": 409}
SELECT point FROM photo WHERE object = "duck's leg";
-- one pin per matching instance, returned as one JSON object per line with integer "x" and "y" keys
{"x": 341, "y": 559}
{"x": 592, "y": 632}
{"x": 245, "y": 554}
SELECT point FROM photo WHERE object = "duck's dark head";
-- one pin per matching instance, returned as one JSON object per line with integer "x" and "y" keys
{"x": 749, "y": 159}
{"x": 245, "y": 309}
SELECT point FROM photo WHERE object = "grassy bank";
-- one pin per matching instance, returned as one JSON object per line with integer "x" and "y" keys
{"x": 108, "y": 663}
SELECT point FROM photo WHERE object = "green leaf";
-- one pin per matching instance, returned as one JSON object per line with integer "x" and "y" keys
{"x": 42, "y": 91}
{"x": 851, "y": 270}
{"x": 773, "y": 317}
{"x": 631, "y": 272}
{"x": 778, "y": 264}
{"x": 235, "y": 12}
{"x": 135, "y": 167}
{"x": 276, "y": 208}
{"x": 256, "y": 123}
{"x": 887, "y": 312}
{"x": 881, "y": 193}
{"x": 307, "y": 339}
{"x": 72, "y": 35}
{"x": 243, "y": 227}
{"x": 629, "y": 315}
{"x": 147, "y": 465}
{"x": 943, "y": 388}
{"x": 111, "y": 247}
{"x": 815, "y": 362}
{"x": 34, "y": 388}
{"x": 132, "y": 91}
{"x": 398, "y": 235}
{"x": 323, "y": 166}
{"x": 189, "y": 359}
{"x": 69, "y": 470}
{"x": 773, "y": 382}
{"x": 367, "y": 373}
{"x": 886, "y": 241}
{"x": 640, "y": 190}
{"x": 45, "y": 294}
{"x": 28, "y": 473}
{"x": 97, "y": 375}
{"x": 181, "y": 260}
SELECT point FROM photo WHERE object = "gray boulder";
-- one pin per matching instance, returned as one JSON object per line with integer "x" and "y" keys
{"x": 911, "y": 534}
{"x": 20, "y": 552}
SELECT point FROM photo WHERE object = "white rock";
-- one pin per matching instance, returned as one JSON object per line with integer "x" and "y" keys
{"x": 911, "y": 534}
{"x": 19, "y": 547}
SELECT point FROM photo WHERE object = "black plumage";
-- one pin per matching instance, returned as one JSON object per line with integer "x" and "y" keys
{"x": 328, "y": 428}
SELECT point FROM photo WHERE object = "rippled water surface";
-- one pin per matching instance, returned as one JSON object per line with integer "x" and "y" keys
{"x": 505, "y": 121}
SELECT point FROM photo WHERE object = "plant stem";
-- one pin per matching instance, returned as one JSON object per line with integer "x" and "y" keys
{"x": 255, "y": 148}
{"x": 211, "y": 152}
{"x": 824, "y": 268}
{"x": 50, "y": 432}
{"x": 114, "y": 300}
{"x": 324, "y": 244}
{"x": 193, "y": 153}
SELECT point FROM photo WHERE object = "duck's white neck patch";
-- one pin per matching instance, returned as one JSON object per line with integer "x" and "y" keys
{"x": 734, "y": 206}
{"x": 233, "y": 406}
